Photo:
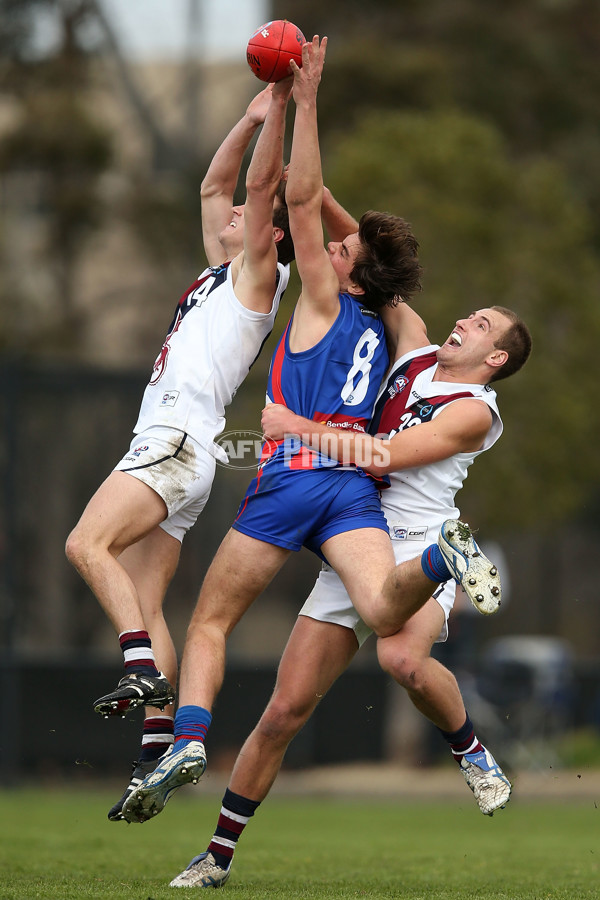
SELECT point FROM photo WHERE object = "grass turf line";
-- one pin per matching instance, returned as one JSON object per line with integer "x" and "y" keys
{"x": 59, "y": 845}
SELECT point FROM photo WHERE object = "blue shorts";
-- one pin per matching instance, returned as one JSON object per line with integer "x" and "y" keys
{"x": 305, "y": 507}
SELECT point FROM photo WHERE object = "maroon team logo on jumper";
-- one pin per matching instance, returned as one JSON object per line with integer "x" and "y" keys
{"x": 158, "y": 370}
{"x": 399, "y": 384}
{"x": 195, "y": 297}
{"x": 160, "y": 364}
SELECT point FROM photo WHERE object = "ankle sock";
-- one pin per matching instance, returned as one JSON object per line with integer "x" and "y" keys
{"x": 463, "y": 741}
{"x": 157, "y": 737}
{"x": 236, "y": 811}
{"x": 191, "y": 724}
{"x": 434, "y": 565}
{"x": 137, "y": 653}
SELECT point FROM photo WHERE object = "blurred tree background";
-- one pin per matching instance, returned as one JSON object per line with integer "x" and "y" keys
{"x": 478, "y": 122}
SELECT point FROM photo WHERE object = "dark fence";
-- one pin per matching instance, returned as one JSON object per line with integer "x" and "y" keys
{"x": 63, "y": 429}
{"x": 56, "y": 732}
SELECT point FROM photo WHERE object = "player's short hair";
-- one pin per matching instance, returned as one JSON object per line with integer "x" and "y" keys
{"x": 387, "y": 264}
{"x": 516, "y": 340}
{"x": 281, "y": 219}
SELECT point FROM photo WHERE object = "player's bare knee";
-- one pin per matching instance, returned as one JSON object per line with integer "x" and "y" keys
{"x": 275, "y": 730}
{"x": 384, "y": 623}
{"x": 77, "y": 550}
{"x": 282, "y": 720}
{"x": 402, "y": 666}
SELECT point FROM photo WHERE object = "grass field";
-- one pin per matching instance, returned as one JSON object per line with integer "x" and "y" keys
{"x": 58, "y": 845}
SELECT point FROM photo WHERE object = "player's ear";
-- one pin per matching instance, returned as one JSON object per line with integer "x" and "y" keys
{"x": 497, "y": 358}
{"x": 355, "y": 289}
{"x": 278, "y": 234}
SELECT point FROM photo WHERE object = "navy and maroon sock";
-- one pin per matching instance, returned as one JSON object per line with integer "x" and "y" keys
{"x": 137, "y": 653}
{"x": 463, "y": 741}
{"x": 157, "y": 737}
{"x": 236, "y": 811}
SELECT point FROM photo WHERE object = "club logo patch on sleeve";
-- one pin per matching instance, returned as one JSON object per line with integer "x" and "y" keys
{"x": 406, "y": 533}
{"x": 169, "y": 398}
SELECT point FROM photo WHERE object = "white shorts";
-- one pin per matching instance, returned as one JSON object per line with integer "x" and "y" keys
{"x": 329, "y": 601}
{"x": 178, "y": 468}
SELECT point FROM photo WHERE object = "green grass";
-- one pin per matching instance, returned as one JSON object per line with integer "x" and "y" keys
{"x": 580, "y": 748}
{"x": 59, "y": 844}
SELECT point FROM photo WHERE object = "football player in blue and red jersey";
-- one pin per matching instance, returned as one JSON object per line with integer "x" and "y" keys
{"x": 328, "y": 367}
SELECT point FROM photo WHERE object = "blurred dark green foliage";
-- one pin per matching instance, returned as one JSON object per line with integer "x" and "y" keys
{"x": 477, "y": 121}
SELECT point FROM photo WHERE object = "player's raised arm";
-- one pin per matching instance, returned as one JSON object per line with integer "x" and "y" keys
{"x": 219, "y": 183}
{"x": 405, "y": 330}
{"x": 304, "y": 193}
{"x": 337, "y": 220}
{"x": 255, "y": 279}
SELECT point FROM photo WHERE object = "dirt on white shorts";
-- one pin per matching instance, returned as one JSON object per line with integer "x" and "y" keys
{"x": 178, "y": 468}
{"x": 329, "y": 601}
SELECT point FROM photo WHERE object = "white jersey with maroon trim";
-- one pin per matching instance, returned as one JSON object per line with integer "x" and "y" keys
{"x": 209, "y": 349}
{"x": 420, "y": 499}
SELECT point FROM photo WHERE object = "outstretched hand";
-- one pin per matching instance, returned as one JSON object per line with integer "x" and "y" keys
{"x": 258, "y": 107}
{"x": 307, "y": 77}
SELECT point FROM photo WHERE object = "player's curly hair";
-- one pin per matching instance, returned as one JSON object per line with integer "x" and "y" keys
{"x": 517, "y": 342}
{"x": 387, "y": 265}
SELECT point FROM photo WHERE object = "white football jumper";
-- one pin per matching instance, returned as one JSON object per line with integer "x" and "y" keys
{"x": 209, "y": 349}
{"x": 420, "y": 499}
{"x": 424, "y": 497}
{"x": 207, "y": 353}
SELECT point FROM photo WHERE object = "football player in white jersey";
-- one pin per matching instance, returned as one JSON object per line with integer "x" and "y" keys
{"x": 441, "y": 413}
{"x": 127, "y": 543}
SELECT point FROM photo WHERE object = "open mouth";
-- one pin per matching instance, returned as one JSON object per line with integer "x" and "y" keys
{"x": 455, "y": 340}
